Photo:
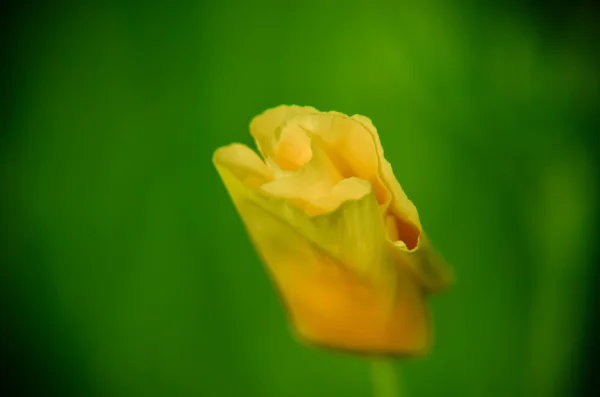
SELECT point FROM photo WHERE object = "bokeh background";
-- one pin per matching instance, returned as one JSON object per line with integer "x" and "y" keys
{"x": 127, "y": 272}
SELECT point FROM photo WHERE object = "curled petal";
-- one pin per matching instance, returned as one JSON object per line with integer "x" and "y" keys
{"x": 432, "y": 271}
{"x": 290, "y": 152}
{"x": 352, "y": 144}
{"x": 347, "y": 143}
{"x": 311, "y": 182}
{"x": 402, "y": 211}
{"x": 243, "y": 163}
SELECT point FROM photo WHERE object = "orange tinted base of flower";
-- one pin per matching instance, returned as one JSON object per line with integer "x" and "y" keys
{"x": 332, "y": 308}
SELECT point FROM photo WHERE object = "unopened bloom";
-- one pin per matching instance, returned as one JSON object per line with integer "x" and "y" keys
{"x": 341, "y": 240}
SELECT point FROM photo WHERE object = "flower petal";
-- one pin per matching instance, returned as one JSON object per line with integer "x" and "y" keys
{"x": 355, "y": 150}
{"x": 266, "y": 131}
{"x": 402, "y": 207}
{"x": 332, "y": 309}
{"x": 311, "y": 182}
{"x": 348, "y": 145}
{"x": 351, "y": 142}
{"x": 336, "y": 274}
{"x": 432, "y": 270}
{"x": 244, "y": 164}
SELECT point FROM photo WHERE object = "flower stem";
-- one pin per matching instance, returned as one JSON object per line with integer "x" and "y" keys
{"x": 385, "y": 380}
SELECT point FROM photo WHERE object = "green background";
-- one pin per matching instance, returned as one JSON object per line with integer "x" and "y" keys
{"x": 127, "y": 272}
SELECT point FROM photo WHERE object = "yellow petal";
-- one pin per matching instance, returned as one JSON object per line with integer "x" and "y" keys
{"x": 347, "y": 143}
{"x": 266, "y": 131}
{"x": 404, "y": 209}
{"x": 345, "y": 190}
{"x": 311, "y": 182}
{"x": 353, "y": 145}
{"x": 432, "y": 271}
{"x": 293, "y": 149}
{"x": 335, "y": 272}
{"x": 244, "y": 164}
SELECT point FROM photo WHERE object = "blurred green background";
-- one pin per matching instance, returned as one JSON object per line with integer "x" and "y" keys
{"x": 127, "y": 272}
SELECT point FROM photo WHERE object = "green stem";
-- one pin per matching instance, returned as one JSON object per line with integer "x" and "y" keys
{"x": 385, "y": 379}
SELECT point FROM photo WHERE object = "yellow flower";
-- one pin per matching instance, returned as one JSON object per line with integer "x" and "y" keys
{"x": 342, "y": 242}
